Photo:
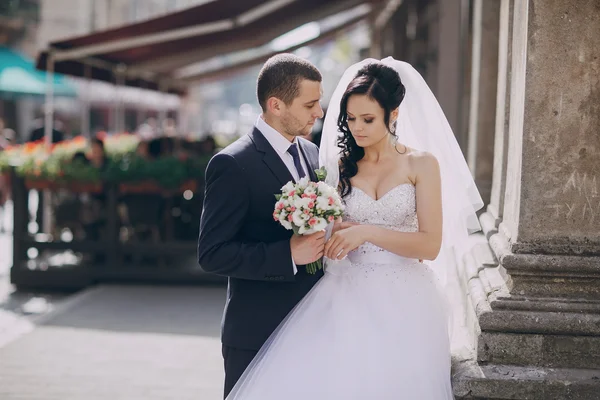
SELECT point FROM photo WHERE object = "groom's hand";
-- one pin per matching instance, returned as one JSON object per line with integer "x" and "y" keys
{"x": 307, "y": 248}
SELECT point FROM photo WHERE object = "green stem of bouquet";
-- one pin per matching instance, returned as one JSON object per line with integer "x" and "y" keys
{"x": 314, "y": 266}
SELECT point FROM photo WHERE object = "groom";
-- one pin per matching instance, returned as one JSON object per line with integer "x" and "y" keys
{"x": 238, "y": 236}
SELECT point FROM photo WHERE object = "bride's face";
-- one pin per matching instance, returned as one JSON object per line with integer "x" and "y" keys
{"x": 366, "y": 120}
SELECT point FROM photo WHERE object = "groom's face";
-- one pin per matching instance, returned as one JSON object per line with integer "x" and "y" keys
{"x": 299, "y": 117}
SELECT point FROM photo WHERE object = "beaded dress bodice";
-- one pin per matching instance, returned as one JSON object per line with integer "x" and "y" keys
{"x": 395, "y": 210}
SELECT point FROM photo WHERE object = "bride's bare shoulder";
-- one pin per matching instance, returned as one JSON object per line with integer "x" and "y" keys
{"x": 422, "y": 161}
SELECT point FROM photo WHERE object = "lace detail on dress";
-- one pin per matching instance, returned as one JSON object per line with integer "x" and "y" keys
{"x": 395, "y": 210}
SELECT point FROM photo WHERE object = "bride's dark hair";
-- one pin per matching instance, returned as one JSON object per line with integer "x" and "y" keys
{"x": 380, "y": 83}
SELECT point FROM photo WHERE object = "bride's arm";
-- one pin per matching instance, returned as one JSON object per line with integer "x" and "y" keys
{"x": 424, "y": 244}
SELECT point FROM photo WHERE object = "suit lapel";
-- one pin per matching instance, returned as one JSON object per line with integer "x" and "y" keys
{"x": 271, "y": 158}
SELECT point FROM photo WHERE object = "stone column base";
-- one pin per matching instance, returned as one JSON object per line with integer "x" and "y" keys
{"x": 503, "y": 382}
{"x": 539, "y": 321}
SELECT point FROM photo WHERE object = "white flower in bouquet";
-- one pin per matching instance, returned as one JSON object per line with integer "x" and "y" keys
{"x": 308, "y": 207}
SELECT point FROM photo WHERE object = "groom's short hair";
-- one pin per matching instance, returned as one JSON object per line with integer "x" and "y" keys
{"x": 280, "y": 77}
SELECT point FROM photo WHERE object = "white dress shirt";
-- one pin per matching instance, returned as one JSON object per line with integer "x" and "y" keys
{"x": 281, "y": 146}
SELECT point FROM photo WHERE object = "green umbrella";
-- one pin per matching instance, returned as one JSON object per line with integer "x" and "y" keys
{"x": 18, "y": 77}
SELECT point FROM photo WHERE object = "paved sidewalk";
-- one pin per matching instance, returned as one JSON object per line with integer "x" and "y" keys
{"x": 120, "y": 343}
{"x": 19, "y": 309}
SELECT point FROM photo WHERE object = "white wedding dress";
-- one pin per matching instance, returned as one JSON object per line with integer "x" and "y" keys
{"x": 374, "y": 327}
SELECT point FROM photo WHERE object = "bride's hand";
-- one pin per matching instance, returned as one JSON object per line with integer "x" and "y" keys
{"x": 344, "y": 241}
{"x": 339, "y": 225}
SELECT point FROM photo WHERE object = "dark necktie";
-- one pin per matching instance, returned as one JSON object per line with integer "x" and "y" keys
{"x": 293, "y": 150}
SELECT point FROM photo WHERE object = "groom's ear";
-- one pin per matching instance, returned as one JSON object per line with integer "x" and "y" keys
{"x": 274, "y": 106}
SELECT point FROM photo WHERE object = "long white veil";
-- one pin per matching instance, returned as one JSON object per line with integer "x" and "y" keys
{"x": 421, "y": 125}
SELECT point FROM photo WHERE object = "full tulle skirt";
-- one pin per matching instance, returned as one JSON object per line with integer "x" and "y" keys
{"x": 372, "y": 328}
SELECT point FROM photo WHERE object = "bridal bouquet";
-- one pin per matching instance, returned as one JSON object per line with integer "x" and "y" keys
{"x": 308, "y": 207}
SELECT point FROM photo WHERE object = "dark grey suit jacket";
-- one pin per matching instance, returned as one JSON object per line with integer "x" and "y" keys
{"x": 239, "y": 238}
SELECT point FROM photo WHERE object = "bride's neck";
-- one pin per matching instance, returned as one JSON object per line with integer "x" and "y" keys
{"x": 381, "y": 150}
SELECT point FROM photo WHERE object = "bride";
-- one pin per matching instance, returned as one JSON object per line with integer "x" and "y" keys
{"x": 375, "y": 326}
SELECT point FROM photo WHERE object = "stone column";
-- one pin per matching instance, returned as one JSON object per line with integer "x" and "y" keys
{"x": 400, "y": 42}
{"x": 492, "y": 217}
{"x": 552, "y": 200}
{"x": 431, "y": 14}
{"x": 484, "y": 78}
{"x": 539, "y": 309}
{"x": 393, "y": 35}
{"x": 449, "y": 67}
{"x": 376, "y": 46}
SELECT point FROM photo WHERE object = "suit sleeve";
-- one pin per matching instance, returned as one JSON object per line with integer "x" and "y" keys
{"x": 220, "y": 249}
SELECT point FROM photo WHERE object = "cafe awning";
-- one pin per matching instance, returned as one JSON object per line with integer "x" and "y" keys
{"x": 146, "y": 54}
{"x": 18, "y": 77}
{"x": 218, "y": 70}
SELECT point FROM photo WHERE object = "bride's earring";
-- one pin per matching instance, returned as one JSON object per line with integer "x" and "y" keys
{"x": 396, "y": 145}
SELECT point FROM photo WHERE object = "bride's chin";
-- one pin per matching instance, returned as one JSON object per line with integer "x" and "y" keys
{"x": 360, "y": 141}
